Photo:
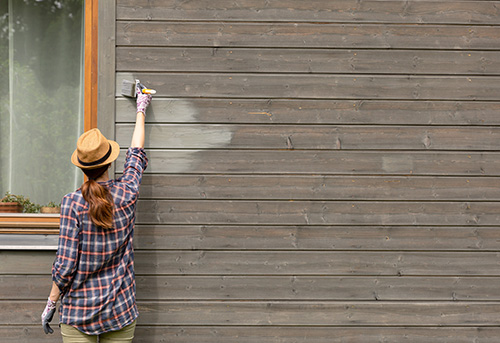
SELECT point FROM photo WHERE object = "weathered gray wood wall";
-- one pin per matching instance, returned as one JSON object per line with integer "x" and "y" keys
{"x": 320, "y": 171}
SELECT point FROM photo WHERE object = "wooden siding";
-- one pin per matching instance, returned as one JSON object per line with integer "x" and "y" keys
{"x": 319, "y": 171}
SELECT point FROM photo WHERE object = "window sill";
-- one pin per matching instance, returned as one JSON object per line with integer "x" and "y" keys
{"x": 25, "y": 231}
{"x": 27, "y": 223}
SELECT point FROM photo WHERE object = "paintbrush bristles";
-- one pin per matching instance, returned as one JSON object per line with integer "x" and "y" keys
{"x": 128, "y": 89}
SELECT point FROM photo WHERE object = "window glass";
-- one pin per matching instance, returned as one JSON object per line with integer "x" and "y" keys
{"x": 41, "y": 96}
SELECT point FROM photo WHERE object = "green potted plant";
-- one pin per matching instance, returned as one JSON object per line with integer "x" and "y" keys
{"x": 17, "y": 203}
{"x": 51, "y": 207}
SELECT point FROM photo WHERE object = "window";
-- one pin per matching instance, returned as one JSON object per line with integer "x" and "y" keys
{"x": 41, "y": 96}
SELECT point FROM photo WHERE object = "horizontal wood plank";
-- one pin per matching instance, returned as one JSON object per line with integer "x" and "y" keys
{"x": 20, "y": 240}
{"x": 29, "y": 333}
{"x": 396, "y": 11}
{"x": 315, "y": 238}
{"x": 293, "y": 237}
{"x": 340, "y": 112}
{"x": 163, "y": 288}
{"x": 319, "y": 86}
{"x": 293, "y": 187}
{"x": 22, "y": 220}
{"x": 178, "y": 136}
{"x": 318, "y": 314}
{"x": 25, "y": 287}
{"x": 320, "y": 162}
{"x": 139, "y": 59}
{"x": 305, "y": 35}
{"x": 318, "y": 263}
{"x": 317, "y": 212}
{"x": 354, "y": 314}
{"x": 269, "y": 263}
{"x": 318, "y": 288}
{"x": 220, "y": 334}
{"x": 254, "y": 334}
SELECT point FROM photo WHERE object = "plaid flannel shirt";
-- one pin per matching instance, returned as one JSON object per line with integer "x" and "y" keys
{"x": 94, "y": 267}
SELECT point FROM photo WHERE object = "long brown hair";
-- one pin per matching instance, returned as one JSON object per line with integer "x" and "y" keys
{"x": 99, "y": 198}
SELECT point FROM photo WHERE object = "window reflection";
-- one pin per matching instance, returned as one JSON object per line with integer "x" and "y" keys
{"x": 41, "y": 96}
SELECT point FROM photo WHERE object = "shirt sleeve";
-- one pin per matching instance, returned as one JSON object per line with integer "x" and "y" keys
{"x": 66, "y": 261}
{"x": 136, "y": 163}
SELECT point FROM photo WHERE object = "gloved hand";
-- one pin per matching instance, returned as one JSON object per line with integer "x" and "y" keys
{"x": 47, "y": 315}
{"x": 143, "y": 100}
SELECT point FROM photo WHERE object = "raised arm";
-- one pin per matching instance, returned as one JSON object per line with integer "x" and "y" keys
{"x": 139, "y": 131}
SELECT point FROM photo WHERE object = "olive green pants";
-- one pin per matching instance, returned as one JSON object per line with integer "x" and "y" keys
{"x": 72, "y": 335}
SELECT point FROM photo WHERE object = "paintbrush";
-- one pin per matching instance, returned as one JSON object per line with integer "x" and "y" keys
{"x": 129, "y": 88}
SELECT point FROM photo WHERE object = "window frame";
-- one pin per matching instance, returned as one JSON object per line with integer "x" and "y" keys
{"x": 99, "y": 69}
{"x": 91, "y": 15}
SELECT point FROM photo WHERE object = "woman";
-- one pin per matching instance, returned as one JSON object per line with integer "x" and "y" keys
{"x": 94, "y": 268}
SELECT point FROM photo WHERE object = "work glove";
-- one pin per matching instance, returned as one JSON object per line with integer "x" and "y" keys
{"x": 143, "y": 100}
{"x": 47, "y": 315}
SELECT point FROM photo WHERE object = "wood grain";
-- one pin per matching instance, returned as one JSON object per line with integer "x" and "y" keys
{"x": 318, "y": 263}
{"x": 294, "y": 111}
{"x": 271, "y": 60}
{"x": 299, "y": 137}
{"x": 288, "y": 162}
{"x": 282, "y": 263}
{"x": 398, "y": 11}
{"x": 319, "y": 314}
{"x": 305, "y": 35}
{"x": 91, "y": 61}
{"x": 319, "y": 86}
{"x": 317, "y": 212}
{"x": 282, "y": 288}
{"x": 221, "y": 334}
{"x": 106, "y": 68}
{"x": 296, "y": 237}
{"x": 276, "y": 334}
{"x": 316, "y": 238}
{"x": 293, "y": 187}
{"x": 353, "y": 314}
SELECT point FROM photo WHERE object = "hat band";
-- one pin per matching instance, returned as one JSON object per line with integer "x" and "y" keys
{"x": 99, "y": 161}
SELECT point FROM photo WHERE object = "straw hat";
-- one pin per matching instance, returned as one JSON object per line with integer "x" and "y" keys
{"x": 93, "y": 150}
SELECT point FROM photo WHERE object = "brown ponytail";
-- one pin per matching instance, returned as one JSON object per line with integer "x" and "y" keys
{"x": 99, "y": 198}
